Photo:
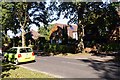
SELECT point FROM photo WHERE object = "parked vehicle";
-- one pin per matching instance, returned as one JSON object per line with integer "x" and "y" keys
{"x": 19, "y": 54}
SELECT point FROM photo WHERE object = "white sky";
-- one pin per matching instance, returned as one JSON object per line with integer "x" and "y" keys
{"x": 62, "y": 21}
{"x": 106, "y": 1}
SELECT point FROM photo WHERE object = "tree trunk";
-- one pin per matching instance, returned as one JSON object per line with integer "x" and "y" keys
{"x": 119, "y": 34}
{"x": 80, "y": 30}
{"x": 23, "y": 36}
{"x": 6, "y": 31}
{"x": 80, "y": 37}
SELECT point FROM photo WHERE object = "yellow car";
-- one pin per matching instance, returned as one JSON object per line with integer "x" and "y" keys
{"x": 19, "y": 54}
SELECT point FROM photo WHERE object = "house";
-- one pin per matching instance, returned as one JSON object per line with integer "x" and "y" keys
{"x": 32, "y": 37}
{"x": 61, "y": 33}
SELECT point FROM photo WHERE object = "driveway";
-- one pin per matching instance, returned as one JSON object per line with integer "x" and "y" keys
{"x": 73, "y": 68}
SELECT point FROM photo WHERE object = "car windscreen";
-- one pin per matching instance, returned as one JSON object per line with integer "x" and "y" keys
{"x": 25, "y": 50}
{"x": 12, "y": 50}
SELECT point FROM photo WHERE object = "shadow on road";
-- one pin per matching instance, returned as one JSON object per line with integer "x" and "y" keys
{"x": 106, "y": 70}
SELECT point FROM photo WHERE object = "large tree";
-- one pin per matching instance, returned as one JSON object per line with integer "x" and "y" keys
{"x": 76, "y": 12}
{"x": 16, "y": 15}
{"x": 8, "y": 21}
{"x": 97, "y": 16}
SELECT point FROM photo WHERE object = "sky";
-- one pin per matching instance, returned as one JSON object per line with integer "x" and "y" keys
{"x": 62, "y": 21}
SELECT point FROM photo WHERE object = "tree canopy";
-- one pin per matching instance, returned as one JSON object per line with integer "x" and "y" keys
{"x": 93, "y": 18}
{"x": 45, "y": 31}
{"x": 96, "y": 20}
{"x": 17, "y": 16}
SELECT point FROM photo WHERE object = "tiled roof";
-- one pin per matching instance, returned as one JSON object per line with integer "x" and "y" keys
{"x": 70, "y": 28}
{"x": 35, "y": 34}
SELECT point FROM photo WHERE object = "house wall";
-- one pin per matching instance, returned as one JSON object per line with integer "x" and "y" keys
{"x": 75, "y": 35}
{"x": 71, "y": 32}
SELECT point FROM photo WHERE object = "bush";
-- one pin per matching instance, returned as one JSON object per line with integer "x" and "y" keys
{"x": 110, "y": 47}
{"x": 71, "y": 49}
{"x": 46, "y": 47}
{"x": 58, "y": 48}
{"x": 31, "y": 46}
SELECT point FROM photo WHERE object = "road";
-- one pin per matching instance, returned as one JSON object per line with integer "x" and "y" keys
{"x": 69, "y": 68}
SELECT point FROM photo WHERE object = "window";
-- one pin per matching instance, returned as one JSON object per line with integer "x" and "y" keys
{"x": 22, "y": 50}
{"x": 25, "y": 50}
{"x": 75, "y": 36}
{"x": 28, "y": 50}
{"x": 13, "y": 50}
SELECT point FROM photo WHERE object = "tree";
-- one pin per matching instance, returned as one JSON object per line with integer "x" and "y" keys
{"x": 5, "y": 39}
{"x": 19, "y": 13}
{"x": 75, "y": 12}
{"x": 45, "y": 31}
{"x": 8, "y": 21}
{"x": 96, "y": 15}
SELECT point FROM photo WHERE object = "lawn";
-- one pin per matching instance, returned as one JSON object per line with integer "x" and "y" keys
{"x": 12, "y": 71}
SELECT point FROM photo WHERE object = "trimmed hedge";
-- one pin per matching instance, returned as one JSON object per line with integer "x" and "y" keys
{"x": 58, "y": 48}
{"x": 111, "y": 47}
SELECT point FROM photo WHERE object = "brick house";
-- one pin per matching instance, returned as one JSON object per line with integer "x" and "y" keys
{"x": 33, "y": 37}
{"x": 61, "y": 33}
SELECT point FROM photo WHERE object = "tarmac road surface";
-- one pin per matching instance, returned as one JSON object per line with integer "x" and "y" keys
{"x": 71, "y": 68}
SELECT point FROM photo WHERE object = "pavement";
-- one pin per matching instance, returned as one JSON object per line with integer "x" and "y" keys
{"x": 74, "y": 67}
{"x": 90, "y": 57}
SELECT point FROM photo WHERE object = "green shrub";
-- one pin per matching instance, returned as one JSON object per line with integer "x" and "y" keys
{"x": 31, "y": 46}
{"x": 111, "y": 47}
{"x": 71, "y": 49}
{"x": 58, "y": 48}
{"x": 52, "y": 48}
{"x": 46, "y": 47}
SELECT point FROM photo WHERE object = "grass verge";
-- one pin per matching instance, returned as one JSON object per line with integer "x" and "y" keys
{"x": 12, "y": 71}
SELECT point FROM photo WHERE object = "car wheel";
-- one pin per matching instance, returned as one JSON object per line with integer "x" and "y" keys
{"x": 16, "y": 62}
{"x": 34, "y": 61}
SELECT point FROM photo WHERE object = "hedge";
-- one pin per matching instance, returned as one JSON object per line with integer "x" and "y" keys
{"x": 111, "y": 47}
{"x": 58, "y": 48}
